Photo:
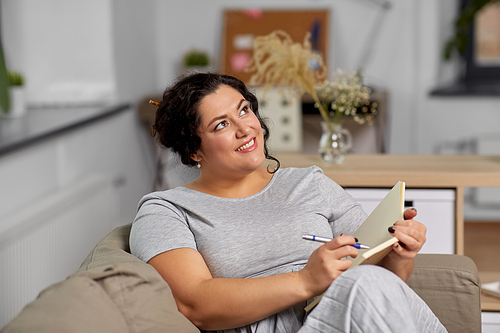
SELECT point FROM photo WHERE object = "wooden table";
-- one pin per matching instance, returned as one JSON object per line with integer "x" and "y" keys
{"x": 417, "y": 171}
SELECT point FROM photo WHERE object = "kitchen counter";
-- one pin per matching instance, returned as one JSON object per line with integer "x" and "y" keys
{"x": 42, "y": 123}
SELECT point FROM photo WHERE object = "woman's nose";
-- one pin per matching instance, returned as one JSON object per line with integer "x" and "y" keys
{"x": 243, "y": 129}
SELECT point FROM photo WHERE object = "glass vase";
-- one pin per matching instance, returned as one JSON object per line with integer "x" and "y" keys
{"x": 334, "y": 143}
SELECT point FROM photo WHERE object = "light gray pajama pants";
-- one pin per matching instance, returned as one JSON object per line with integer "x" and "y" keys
{"x": 370, "y": 299}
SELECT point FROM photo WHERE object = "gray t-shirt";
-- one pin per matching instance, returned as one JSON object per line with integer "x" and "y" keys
{"x": 259, "y": 235}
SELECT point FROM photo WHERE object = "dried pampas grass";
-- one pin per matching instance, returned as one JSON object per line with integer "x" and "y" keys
{"x": 278, "y": 61}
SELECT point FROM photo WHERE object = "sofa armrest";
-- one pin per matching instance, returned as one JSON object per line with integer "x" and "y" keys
{"x": 450, "y": 285}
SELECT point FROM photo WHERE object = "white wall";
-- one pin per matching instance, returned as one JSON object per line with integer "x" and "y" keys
{"x": 440, "y": 120}
{"x": 77, "y": 51}
{"x": 64, "y": 48}
{"x": 135, "y": 48}
{"x": 107, "y": 42}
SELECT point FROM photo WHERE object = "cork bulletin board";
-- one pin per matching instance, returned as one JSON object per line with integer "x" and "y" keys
{"x": 242, "y": 26}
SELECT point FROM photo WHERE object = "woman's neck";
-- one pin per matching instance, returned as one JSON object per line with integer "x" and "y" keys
{"x": 232, "y": 188}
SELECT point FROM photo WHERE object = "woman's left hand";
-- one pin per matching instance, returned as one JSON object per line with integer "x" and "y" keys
{"x": 411, "y": 235}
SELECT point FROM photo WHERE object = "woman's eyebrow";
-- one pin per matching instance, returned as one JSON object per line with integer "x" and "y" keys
{"x": 239, "y": 104}
{"x": 225, "y": 114}
{"x": 222, "y": 116}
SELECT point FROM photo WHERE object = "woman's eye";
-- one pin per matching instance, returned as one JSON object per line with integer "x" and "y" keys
{"x": 245, "y": 110}
{"x": 221, "y": 125}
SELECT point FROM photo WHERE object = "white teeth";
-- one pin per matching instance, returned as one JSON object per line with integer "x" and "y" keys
{"x": 246, "y": 146}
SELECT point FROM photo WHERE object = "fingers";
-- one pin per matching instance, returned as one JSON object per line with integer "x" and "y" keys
{"x": 410, "y": 233}
{"x": 341, "y": 240}
{"x": 410, "y": 213}
{"x": 343, "y": 266}
{"x": 339, "y": 246}
{"x": 325, "y": 264}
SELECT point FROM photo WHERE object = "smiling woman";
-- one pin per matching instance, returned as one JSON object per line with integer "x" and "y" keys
{"x": 232, "y": 142}
{"x": 180, "y": 131}
{"x": 214, "y": 240}
{"x": 221, "y": 132}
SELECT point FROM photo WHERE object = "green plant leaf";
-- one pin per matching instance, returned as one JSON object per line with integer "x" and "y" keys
{"x": 15, "y": 78}
{"x": 196, "y": 58}
{"x": 463, "y": 22}
{"x": 4, "y": 86}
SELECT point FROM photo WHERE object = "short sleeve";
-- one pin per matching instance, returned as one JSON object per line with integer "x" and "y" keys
{"x": 159, "y": 226}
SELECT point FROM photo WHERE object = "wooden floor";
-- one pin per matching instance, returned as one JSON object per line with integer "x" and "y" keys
{"x": 482, "y": 244}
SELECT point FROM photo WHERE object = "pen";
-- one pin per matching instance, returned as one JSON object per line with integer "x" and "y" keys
{"x": 326, "y": 240}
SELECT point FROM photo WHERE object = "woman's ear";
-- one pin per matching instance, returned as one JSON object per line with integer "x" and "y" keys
{"x": 196, "y": 157}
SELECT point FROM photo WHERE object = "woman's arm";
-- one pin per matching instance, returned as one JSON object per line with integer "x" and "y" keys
{"x": 222, "y": 303}
{"x": 411, "y": 235}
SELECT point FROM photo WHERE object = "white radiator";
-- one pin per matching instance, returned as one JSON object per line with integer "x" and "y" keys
{"x": 49, "y": 239}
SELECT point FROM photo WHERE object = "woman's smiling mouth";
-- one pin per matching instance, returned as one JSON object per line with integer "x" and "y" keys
{"x": 246, "y": 145}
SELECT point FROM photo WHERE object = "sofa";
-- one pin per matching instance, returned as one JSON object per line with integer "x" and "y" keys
{"x": 113, "y": 291}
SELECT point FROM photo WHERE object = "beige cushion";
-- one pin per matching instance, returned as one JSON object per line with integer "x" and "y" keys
{"x": 136, "y": 288}
{"x": 450, "y": 285}
{"x": 77, "y": 304}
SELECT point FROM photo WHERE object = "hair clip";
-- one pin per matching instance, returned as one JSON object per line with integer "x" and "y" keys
{"x": 153, "y": 102}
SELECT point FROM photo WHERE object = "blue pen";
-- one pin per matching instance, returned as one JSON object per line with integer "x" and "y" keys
{"x": 326, "y": 240}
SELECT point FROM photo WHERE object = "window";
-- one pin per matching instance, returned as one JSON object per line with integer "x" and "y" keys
{"x": 482, "y": 55}
{"x": 483, "y": 51}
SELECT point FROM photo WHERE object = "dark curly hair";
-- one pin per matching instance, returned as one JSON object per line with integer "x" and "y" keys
{"x": 177, "y": 118}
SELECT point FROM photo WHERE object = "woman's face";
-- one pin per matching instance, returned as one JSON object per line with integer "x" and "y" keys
{"x": 231, "y": 136}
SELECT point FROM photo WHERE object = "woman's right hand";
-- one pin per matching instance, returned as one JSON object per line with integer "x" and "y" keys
{"x": 326, "y": 264}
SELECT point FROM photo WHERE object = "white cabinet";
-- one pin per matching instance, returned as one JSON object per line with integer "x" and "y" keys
{"x": 284, "y": 119}
{"x": 490, "y": 322}
{"x": 435, "y": 208}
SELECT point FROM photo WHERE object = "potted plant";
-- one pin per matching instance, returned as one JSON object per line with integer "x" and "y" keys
{"x": 17, "y": 101}
{"x": 195, "y": 61}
